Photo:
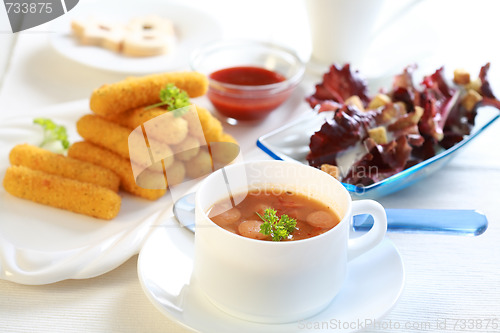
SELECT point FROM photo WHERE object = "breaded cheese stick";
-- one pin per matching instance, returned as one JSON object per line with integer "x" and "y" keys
{"x": 59, "y": 192}
{"x": 170, "y": 130}
{"x": 175, "y": 173}
{"x": 136, "y": 117}
{"x": 115, "y": 138}
{"x": 56, "y": 164}
{"x": 200, "y": 165}
{"x": 104, "y": 133}
{"x": 204, "y": 125}
{"x": 135, "y": 92}
{"x": 187, "y": 149}
{"x": 154, "y": 180}
{"x": 89, "y": 152}
{"x": 228, "y": 138}
{"x": 212, "y": 127}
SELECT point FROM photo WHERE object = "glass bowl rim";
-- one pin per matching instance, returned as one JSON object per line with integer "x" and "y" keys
{"x": 221, "y": 44}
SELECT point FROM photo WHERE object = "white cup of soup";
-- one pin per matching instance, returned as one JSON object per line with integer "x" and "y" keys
{"x": 249, "y": 275}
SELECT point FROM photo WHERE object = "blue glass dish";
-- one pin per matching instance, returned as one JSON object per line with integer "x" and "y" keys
{"x": 291, "y": 143}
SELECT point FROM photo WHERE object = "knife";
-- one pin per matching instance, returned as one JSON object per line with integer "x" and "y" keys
{"x": 457, "y": 221}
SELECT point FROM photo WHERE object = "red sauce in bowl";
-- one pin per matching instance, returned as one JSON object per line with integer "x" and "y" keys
{"x": 247, "y": 76}
{"x": 245, "y": 103}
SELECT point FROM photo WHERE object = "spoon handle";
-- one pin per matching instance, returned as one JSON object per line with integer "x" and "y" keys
{"x": 428, "y": 220}
{"x": 451, "y": 221}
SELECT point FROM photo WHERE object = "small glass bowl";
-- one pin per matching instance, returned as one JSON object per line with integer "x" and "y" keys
{"x": 248, "y": 102}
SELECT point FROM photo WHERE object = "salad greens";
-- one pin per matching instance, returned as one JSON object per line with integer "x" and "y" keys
{"x": 52, "y": 133}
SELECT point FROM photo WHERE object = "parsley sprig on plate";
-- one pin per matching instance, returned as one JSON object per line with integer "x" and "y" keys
{"x": 174, "y": 99}
{"x": 52, "y": 133}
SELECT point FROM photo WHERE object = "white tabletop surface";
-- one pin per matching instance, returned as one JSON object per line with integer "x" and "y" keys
{"x": 449, "y": 279}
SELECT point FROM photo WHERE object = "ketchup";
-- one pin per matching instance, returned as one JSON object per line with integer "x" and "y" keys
{"x": 247, "y": 76}
{"x": 243, "y": 104}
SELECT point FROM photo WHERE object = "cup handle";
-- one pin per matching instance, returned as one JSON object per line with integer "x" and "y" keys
{"x": 374, "y": 236}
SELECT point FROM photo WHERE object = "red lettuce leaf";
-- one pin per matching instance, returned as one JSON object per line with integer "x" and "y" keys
{"x": 380, "y": 162}
{"x": 347, "y": 127}
{"x": 405, "y": 79}
{"x": 437, "y": 99}
{"x": 488, "y": 96}
{"x": 338, "y": 84}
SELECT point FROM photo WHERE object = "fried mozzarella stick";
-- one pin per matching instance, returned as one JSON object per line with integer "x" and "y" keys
{"x": 171, "y": 129}
{"x": 135, "y": 92}
{"x": 59, "y": 192}
{"x": 89, "y": 152}
{"x": 212, "y": 127}
{"x": 56, "y": 164}
{"x": 201, "y": 125}
{"x": 104, "y": 133}
{"x": 115, "y": 138}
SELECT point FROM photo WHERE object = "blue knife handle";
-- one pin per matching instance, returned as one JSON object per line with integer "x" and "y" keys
{"x": 428, "y": 220}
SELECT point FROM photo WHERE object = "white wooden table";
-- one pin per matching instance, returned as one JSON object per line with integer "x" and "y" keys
{"x": 449, "y": 279}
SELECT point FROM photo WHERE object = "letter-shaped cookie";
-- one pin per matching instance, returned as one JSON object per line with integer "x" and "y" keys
{"x": 148, "y": 36}
{"x": 93, "y": 31}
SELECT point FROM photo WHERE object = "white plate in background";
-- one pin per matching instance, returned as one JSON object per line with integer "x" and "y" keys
{"x": 193, "y": 28}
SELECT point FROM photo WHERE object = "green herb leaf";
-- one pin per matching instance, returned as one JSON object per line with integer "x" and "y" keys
{"x": 52, "y": 133}
{"x": 278, "y": 227}
{"x": 174, "y": 99}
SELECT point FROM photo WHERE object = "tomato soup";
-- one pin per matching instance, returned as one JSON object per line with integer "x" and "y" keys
{"x": 312, "y": 216}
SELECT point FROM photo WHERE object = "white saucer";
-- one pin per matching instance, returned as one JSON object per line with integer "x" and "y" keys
{"x": 373, "y": 285}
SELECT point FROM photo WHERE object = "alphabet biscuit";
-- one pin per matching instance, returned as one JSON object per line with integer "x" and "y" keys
{"x": 99, "y": 32}
{"x": 140, "y": 37}
{"x": 148, "y": 36}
